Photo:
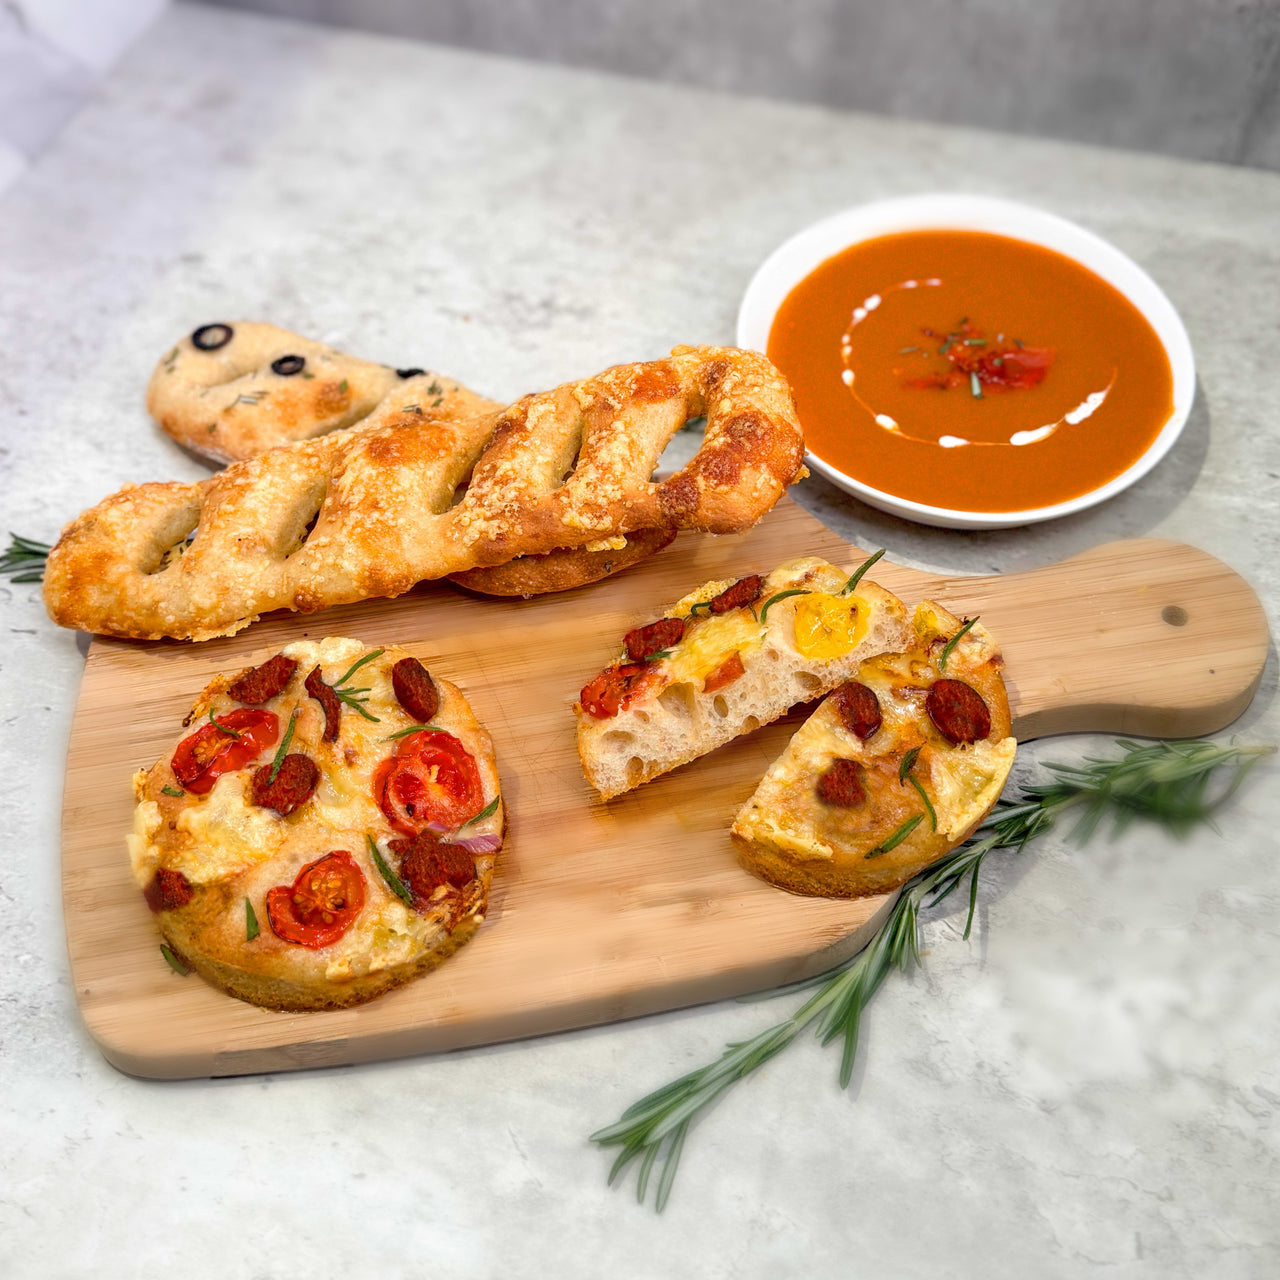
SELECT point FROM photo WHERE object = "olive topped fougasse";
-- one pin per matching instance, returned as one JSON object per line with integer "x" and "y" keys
{"x": 287, "y": 366}
{"x": 209, "y": 337}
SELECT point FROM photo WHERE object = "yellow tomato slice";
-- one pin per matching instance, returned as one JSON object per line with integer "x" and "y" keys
{"x": 829, "y": 626}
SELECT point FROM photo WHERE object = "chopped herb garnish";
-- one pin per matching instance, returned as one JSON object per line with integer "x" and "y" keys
{"x": 861, "y": 569}
{"x": 173, "y": 791}
{"x": 702, "y": 604}
{"x": 435, "y": 389}
{"x": 412, "y": 408}
{"x": 355, "y": 666}
{"x": 173, "y": 962}
{"x": 437, "y": 401}
{"x": 975, "y": 342}
{"x": 484, "y": 813}
{"x": 250, "y": 921}
{"x": 342, "y": 386}
{"x": 782, "y": 595}
{"x": 662, "y": 653}
{"x": 908, "y": 763}
{"x": 394, "y": 883}
{"x": 250, "y": 399}
{"x": 897, "y": 838}
{"x": 902, "y": 351}
{"x": 234, "y": 733}
{"x": 213, "y": 426}
{"x": 951, "y": 644}
{"x": 283, "y": 749}
{"x": 975, "y": 385}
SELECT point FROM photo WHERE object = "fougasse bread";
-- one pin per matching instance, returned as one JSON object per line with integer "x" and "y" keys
{"x": 325, "y": 827}
{"x": 421, "y": 490}
{"x": 894, "y": 769}
{"x": 727, "y": 658}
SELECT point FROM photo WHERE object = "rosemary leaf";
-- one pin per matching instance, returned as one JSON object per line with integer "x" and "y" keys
{"x": 1176, "y": 784}
{"x": 230, "y": 732}
{"x": 282, "y": 750}
{"x": 887, "y": 846}
{"x": 859, "y": 571}
{"x": 955, "y": 640}
{"x": 782, "y": 595}
{"x": 355, "y": 666}
{"x": 250, "y": 921}
{"x": 173, "y": 791}
{"x": 487, "y": 812}
{"x": 173, "y": 962}
{"x": 394, "y": 883}
{"x": 414, "y": 728}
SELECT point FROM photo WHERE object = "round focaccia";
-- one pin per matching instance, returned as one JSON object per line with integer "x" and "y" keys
{"x": 324, "y": 830}
{"x": 894, "y": 769}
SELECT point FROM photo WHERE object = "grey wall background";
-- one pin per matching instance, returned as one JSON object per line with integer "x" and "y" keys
{"x": 1192, "y": 78}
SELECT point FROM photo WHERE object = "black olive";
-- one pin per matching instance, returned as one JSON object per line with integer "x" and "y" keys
{"x": 409, "y": 373}
{"x": 287, "y": 366}
{"x": 209, "y": 337}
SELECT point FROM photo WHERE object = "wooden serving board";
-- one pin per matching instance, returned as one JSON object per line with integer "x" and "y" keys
{"x": 602, "y": 912}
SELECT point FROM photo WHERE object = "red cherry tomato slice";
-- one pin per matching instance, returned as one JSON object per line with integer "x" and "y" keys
{"x": 431, "y": 789}
{"x": 234, "y": 741}
{"x": 413, "y": 744}
{"x": 321, "y": 904}
{"x": 615, "y": 689}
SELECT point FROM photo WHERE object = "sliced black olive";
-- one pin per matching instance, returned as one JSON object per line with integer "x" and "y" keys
{"x": 209, "y": 337}
{"x": 287, "y": 366}
{"x": 409, "y": 373}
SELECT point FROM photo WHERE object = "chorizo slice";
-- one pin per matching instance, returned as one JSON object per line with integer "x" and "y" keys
{"x": 842, "y": 784}
{"x": 958, "y": 711}
{"x": 415, "y": 690}
{"x": 743, "y": 592}
{"x": 857, "y": 708}
{"x": 644, "y": 642}
{"x": 295, "y": 783}
{"x": 261, "y": 684}
{"x": 329, "y": 702}
{"x": 427, "y": 863}
{"x": 168, "y": 890}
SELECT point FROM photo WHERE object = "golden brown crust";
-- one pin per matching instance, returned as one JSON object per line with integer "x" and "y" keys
{"x": 415, "y": 493}
{"x": 229, "y": 852}
{"x": 799, "y": 839}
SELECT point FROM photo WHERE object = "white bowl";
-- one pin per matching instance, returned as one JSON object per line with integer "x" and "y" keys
{"x": 793, "y": 261}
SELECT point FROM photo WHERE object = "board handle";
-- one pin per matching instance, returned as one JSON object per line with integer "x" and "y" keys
{"x": 1143, "y": 637}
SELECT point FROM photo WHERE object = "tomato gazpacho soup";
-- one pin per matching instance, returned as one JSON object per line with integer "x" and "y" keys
{"x": 970, "y": 371}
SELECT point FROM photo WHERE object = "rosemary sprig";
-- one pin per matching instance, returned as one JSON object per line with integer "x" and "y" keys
{"x": 1165, "y": 782}
{"x": 352, "y": 696}
{"x": 226, "y": 728}
{"x": 414, "y": 728}
{"x": 24, "y": 560}
{"x": 906, "y": 774}
{"x": 893, "y": 841}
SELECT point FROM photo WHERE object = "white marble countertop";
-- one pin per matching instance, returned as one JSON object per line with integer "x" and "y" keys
{"x": 1090, "y": 1084}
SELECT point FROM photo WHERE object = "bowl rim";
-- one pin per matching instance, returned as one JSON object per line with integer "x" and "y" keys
{"x": 808, "y": 248}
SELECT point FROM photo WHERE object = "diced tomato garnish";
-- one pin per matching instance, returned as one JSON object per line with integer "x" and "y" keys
{"x": 616, "y": 688}
{"x": 321, "y": 904}
{"x": 235, "y": 740}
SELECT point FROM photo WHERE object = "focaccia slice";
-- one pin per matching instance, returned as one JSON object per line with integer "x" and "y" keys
{"x": 894, "y": 769}
{"x": 729, "y": 657}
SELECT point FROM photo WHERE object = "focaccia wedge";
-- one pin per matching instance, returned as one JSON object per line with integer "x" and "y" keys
{"x": 727, "y": 658}
{"x": 894, "y": 769}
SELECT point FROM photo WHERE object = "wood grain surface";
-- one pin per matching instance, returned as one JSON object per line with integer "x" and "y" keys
{"x": 601, "y": 912}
